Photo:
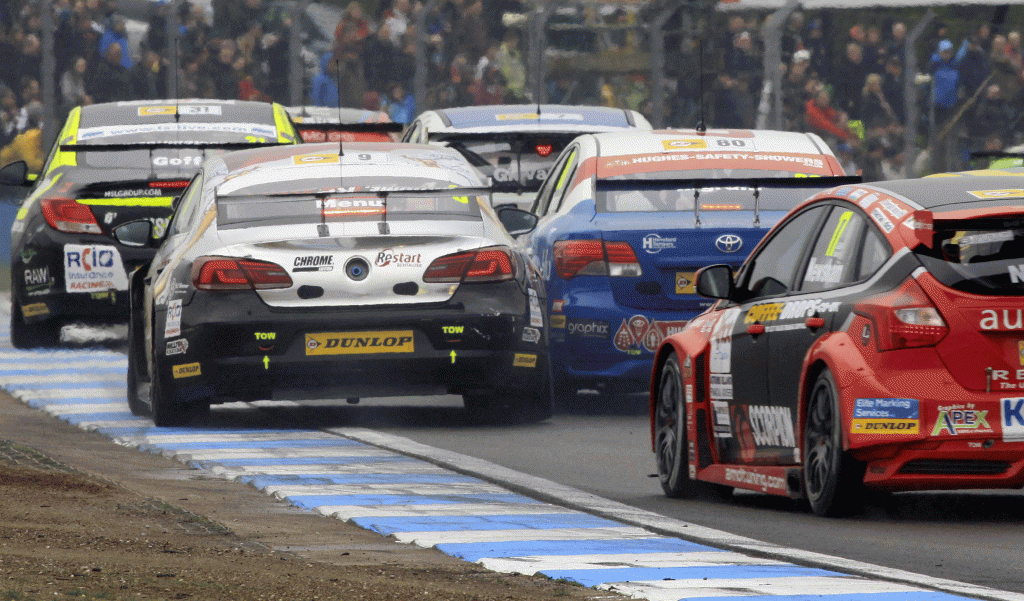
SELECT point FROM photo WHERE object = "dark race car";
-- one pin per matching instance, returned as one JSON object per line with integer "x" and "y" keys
{"x": 296, "y": 273}
{"x": 873, "y": 340}
{"x": 113, "y": 163}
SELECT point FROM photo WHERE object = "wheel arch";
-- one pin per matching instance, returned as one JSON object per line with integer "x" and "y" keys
{"x": 684, "y": 344}
{"x": 837, "y": 353}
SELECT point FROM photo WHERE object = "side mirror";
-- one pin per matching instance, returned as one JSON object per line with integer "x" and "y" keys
{"x": 715, "y": 281}
{"x": 15, "y": 174}
{"x": 517, "y": 221}
{"x": 135, "y": 233}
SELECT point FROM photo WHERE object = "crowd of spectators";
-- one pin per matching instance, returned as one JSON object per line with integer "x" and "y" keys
{"x": 847, "y": 86}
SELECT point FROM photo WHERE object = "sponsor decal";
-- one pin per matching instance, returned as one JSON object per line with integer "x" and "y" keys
{"x": 1012, "y": 419}
{"x": 800, "y": 309}
{"x": 721, "y": 386}
{"x": 843, "y": 191}
{"x": 728, "y": 243}
{"x": 177, "y": 347}
{"x": 587, "y": 328}
{"x": 686, "y": 282}
{"x": 772, "y": 426}
{"x": 882, "y": 220}
{"x": 188, "y": 370}
{"x": 531, "y": 335}
{"x": 885, "y": 416}
{"x": 252, "y": 129}
{"x": 389, "y": 258}
{"x": 894, "y": 210}
{"x": 35, "y": 310}
{"x": 360, "y": 343}
{"x": 172, "y": 327}
{"x": 654, "y": 244}
{"x": 524, "y": 360}
{"x": 112, "y": 296}
{"x": 857, "y": 194}
{"x": 1012, "y": 319}
{"x": 689, "y": 393}
{"x": 638, "y": 333}
{"x": 314, "y": 263}
{"x": 453, "y": 329}
{"x": 133, "y": 192}
{"x": 556, "y": 306}
{"x": 182, "y": 109}
{"x": 27, "y": 254}
{"x": 91, "y": 268}
{"x": 867, "y": 201}
{"x": 310, "y": 159}
{"x": 194, "y": 160}
{"x": 763, "y": 481}
{"x": 995, "y": 194}
{"x": 722, "y": 425}
{"x": 826, "y": 272}
{"x": 536, "y": 317}
{"x": 39, "y": 275}
{"x": 265, "y": 335}
{"x": 536, "y": 117}
{"x": 685, "y": 144}
{"x": 556, "y": 321}
{"x": 957, "y": 419}
{"x": 721, "y": 342}
{"x": 1020, "y": 351}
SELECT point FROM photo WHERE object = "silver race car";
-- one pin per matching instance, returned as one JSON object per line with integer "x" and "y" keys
{"x": 319, "y": 272}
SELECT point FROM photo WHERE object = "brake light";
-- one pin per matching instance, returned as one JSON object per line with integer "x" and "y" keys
{"x": 67, "y": 215}
{"x": 904, "y": 318}
{"x": 544, "y": 149}
{"x": 595, "y": 257}
{"x": 223, "y": 273}
{"x": 492, "y": 264}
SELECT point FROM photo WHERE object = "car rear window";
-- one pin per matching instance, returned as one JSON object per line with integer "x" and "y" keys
{"x": 251, "y": 211}
{"x": 517, "y": 164}
{"x": 985, "y": 260}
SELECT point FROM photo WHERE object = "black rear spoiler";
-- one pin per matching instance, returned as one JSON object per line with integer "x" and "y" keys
{"x": 755, "y": 183}
{"x": 355, "y": 128}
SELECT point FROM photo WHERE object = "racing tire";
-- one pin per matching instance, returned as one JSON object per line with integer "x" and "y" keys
{"x": 670, "y": 445}
{"x": 833, "y": 481}
{"x": 135, "y": 404}
{"x": 566, "y": 394}
{"x": 507, "y": 407}
{"x": 168, "y": 413}
{"x": 44, "y": 334}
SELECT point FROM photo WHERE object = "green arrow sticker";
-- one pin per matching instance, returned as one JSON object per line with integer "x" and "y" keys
{"x": 453, "y": 357}
{"x": 266, "y": 362}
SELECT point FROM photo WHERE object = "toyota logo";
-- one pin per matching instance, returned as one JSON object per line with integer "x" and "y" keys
{"x": 729, "y": 243}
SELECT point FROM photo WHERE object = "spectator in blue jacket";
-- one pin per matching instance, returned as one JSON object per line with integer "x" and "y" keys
{"x": 945, "y": 82}
{"x": 325, "y": 84}
{"x": 116, "y": 33}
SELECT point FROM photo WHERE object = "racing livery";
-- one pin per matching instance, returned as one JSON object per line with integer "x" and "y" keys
{"x": 515, "y": 145}
{"x": 626, "y": 219}
{"x": 873, "y": 340}
{"x": 296, "y": 272}
{"x": 113, "y": 163}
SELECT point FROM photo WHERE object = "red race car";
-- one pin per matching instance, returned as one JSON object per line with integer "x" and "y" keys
{"x": 873, "y": 340}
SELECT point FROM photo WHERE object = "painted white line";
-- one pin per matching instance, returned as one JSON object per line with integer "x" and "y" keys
{"x": 820, "y": 586}
{"x": 348, "y": 512}
{"x": 430, "y": 539}
{"x": 390, "y": 467}
{"x": 595, "y": 505}
{"x": 538, "y": 563}
{"x": 273, "y": 453}
{"x": 156, "y": 437}
{"x": 21, "y": 380}
{"x": 71, "y": 393}
{"x": 409, "y": 489}
{"x": 85, "y": 408}
{"x": 71, "y": 367}
{"x": 134, "y": 422}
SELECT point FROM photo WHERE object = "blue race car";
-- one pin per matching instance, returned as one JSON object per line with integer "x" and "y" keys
{"x": 627, "y": 218}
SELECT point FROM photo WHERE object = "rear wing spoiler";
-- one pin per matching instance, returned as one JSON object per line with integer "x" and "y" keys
{"x": 923, "y": 224}
{"x": 167, "y": 145}
{"x": 998, "y": 154}
{"x": 755, "y": 183}
{"x": 361, "y": 127}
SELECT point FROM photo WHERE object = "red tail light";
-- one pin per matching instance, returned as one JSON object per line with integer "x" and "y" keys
{"x": 67, "y": 215}
{"x": 484, "y": 265}
{"x": 222, "y": 273}
{"x": 904, "y": 318}
{"x": 595, "y": 257}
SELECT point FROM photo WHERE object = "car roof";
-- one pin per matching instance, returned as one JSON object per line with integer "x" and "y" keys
{"x": 432, "y": 167}
{"x": 533, "y": 117}
{"x": 960, "y": 191}
{"x": 325, "y": 114}
{"x": 110, "y": 119}
{"x": 614, "y": 144}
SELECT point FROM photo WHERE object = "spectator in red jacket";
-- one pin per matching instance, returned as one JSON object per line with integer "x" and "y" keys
{"x": 826, "y": 120}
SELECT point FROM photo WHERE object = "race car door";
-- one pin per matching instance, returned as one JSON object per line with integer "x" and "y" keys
{"x": 739, "y": 367}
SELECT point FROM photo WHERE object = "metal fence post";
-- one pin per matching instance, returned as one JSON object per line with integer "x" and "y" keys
{"x": 296, "y": 68}
{"x": 420, "y": 78}
{"x": 173, "y": 62}
{"x": 910, "y": 90}
{"x": 538, "y": 44}
{"x": 48, "y": 70}
{"x": 771, "y": 33}
{"x": 657, "y": 85}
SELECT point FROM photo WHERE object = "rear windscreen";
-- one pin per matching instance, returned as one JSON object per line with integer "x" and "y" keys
{"x": 704, "y": 199}
{"x": 515, "y": 165}
{"x": 251, "y": 211}
{"x": 988, "y": 260}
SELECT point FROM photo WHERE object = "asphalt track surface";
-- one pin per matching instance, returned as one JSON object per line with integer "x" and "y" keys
{"x": 471, "y": 507}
